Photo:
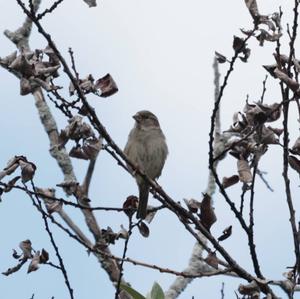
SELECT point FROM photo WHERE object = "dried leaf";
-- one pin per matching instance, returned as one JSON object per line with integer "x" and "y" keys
{"x": 53, "y": 59}
{"x": 296, "y": 64}
{"x": 238, "y": 44}
{"x": 23, "y": 65}
{"x": 91, "y": 3}
{"x": 26, "y": 248}
{"x": 107, "y": 85}
{"x": 41, "y": 69}
{"x": 254, "y": 114}
{"x": 272, "y": 112}
{"x": 11, "y": 184}
{"x": 230, "y": 181}
{"x": 246, "y": 52}
{"x": 108, "y": 235}
{"x": 207, "y": 213}
{"x": 264, "y": 35}
{"x": 244, "y": 171}
{"x": 53, "y": 206}
{"x": 150, "y": 214}
{"x": 276, "y": 131}
{"x": 34, "y": 264}
{"x": 267, "y": 136}
{"x": 87, "y": 84}
{"x": 143, "y": 229}
{"x": 130, "y": 205}
{"x": 27, "y": 171}
{"x": 77, "y": 152}
{"x": 220, "y": 58}
{"x": 271, "y": 69}
{"x": 291, "y": 83}
{"x": 252, "y": 7}
{"x": 92, "y": 148}
{"x": 69, "y": 187}
{"x": 212, "y": 260}
{"x": 226, "y": 233}
{"x": 192, "y": 204}
{"x": 294, "y": 163}
{"x": 123, "y": 233}
{"x": 296, "y": 146}
{"x": 44, "y": 257}
{"x": 77, "y": 129}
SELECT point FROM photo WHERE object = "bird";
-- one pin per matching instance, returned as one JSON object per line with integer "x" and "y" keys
{"x": 147, "y": 149}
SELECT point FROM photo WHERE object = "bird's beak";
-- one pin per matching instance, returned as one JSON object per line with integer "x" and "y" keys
{"x": 136, "y": 117}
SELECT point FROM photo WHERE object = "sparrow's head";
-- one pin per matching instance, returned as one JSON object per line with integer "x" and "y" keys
{"x": 146, "y": 119}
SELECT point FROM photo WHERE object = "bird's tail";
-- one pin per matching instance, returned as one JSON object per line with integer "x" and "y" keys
{"x": 143, "y": 201}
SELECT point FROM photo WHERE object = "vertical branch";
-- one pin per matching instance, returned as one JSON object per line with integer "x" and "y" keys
{"x": 219, "y": 143}
{"x": 130, "y": 227}
{"x": 285, "y": 94}
{"x": 251, "y": 225}
{"x": 212, "y": 167}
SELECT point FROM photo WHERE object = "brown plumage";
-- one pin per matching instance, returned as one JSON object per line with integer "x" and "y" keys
{"x": 147, "y": 148}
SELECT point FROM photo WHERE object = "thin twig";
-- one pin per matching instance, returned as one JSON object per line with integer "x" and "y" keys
{"x": 222, "y": 291}
{"x": 59, "y": 257}
{"x": 261, "y": 175}
{"x": 73, "y": 63}
{"x": 15, "y": 268}
{"x": 251, "y": 225}
{"x": 49, "y": 10}
{"x": 264, "y": 89}
{"x": 130, "y": 227}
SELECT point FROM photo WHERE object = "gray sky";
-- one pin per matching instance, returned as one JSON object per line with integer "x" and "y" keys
{"x": 160, "y": 54}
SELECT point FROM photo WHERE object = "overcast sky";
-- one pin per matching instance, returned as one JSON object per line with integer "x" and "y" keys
{"x": 160, "y": 53}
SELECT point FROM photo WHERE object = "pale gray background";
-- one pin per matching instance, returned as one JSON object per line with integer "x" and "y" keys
{"x": 160, "y": 54}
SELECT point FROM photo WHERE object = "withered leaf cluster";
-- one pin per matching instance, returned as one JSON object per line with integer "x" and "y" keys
{"x": 109, "y": 236}
{"x": 27, "y": 172}
{"x": 36, "y": 258}
{"x": 106, "y": 85}
{"x": 272, "y": 22}
{"x": 52, "y": 205}
{"x": 240, "y": 47}
{"x": 249, "y": 138}
{"x": 267, "y": 28}
{"x": 294, "y": 162}
{"x": 203, "y": 209}
{"x": 130, "y": 205}
{"x": 87, "y": 145}
{"x": 279, "y": 70}
{"x": 33, "y": 69}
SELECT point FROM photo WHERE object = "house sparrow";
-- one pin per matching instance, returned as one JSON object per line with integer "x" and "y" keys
{"x": 147, "y": 148}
